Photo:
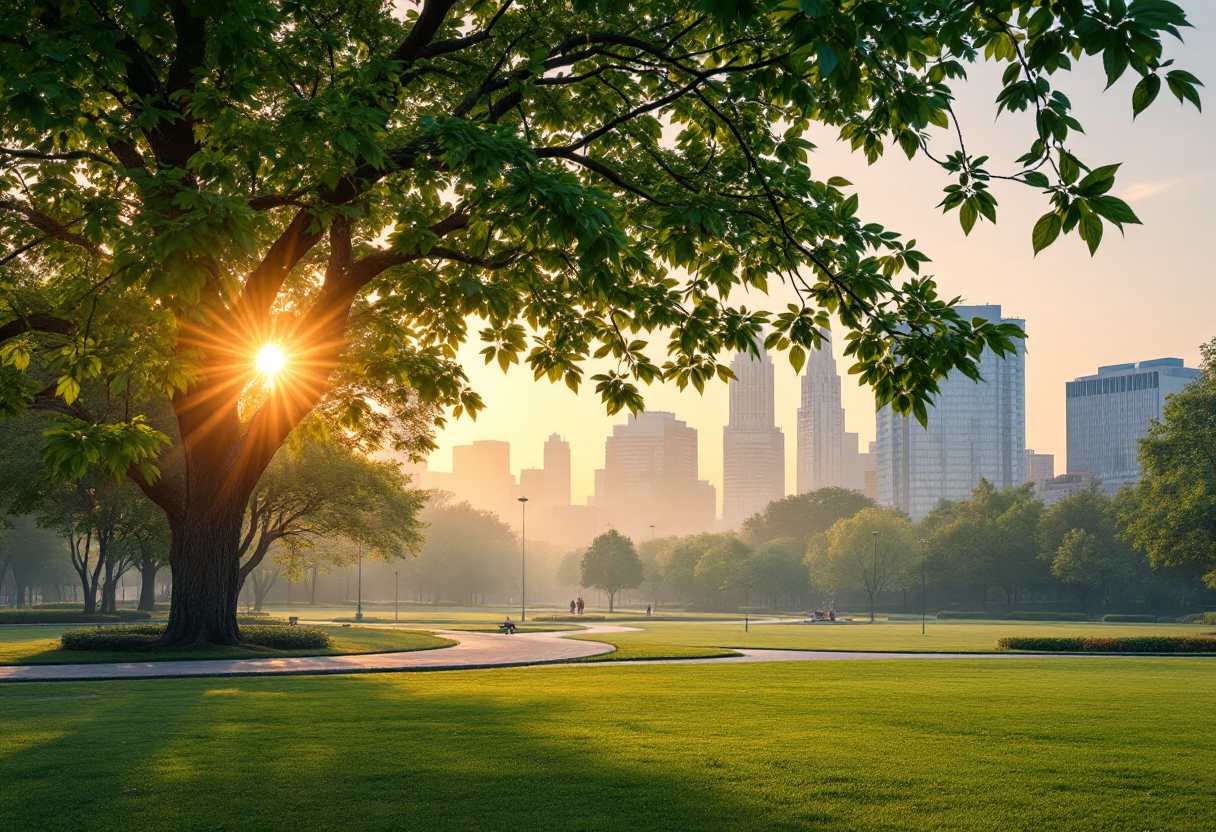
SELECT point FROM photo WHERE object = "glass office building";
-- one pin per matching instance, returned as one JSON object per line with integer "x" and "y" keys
{"x": 975, "y": 430}
{"x": 1110, "y": 412}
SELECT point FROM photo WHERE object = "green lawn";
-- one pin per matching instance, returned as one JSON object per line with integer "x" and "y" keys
{"x": 631, "y": 650}
{"x": 941, "y": 636}
{"x": 40, "y": 645}
{"x": 519, "y": 628}
{"x": 989, "y": 744}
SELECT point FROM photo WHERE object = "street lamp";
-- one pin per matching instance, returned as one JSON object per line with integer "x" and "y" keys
{"x": 874, "y": 577}
{"x": 923, "y": 546}
{"x": 359, "y": 596}
{"x": 394, "y": 596}
{"x": 523, "y": 559}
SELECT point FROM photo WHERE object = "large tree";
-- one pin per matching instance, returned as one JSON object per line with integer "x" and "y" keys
{"x": 803, "y": 516}
{"x": 328, "y": 192}
{"x": 869, "y": 552}
{"x": 1171, "y": 514}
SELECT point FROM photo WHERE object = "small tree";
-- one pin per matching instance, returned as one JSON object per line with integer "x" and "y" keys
{"x": 776, "y": 568}
{"x": 612, "y": 564}
{"x": 865, "y": 553}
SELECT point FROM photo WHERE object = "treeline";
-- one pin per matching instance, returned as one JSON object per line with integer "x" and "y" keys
{"x": 1002, "y": 548}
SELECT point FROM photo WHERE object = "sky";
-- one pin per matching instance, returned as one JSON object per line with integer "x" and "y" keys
{"x": 1148, "y": 295}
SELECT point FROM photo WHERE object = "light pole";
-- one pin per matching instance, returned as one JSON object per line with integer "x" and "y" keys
{"x": 359, "y": 592}
{"x": 523, "y": 559}
{"x": 924, "y": 544}
{"x": 394, "y": 596}
{"x": 874, "y": 577}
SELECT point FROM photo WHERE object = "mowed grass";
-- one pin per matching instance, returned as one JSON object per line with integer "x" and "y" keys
{"x": 984, "y": 744}
{"x": 40, "y": 645}
{"x": 943, "y": 636}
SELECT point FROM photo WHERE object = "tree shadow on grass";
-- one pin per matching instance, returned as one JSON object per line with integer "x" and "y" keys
{"x": 352, "y": 753}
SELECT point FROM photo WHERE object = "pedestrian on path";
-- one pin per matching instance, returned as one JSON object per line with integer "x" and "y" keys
{"x": 580, "y": 605}
{"x": 573, "y": 607}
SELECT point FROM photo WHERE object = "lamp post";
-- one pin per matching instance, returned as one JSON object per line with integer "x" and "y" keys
{"x": 874, "y": 577}
{"x": 523, "y": 559}
{"x": 359, "y": 591}
{"x": 394, "y": 596}
{"x": 924, "y": 545}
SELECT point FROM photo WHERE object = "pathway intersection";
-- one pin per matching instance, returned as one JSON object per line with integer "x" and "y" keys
{"x": 473, "y": 651}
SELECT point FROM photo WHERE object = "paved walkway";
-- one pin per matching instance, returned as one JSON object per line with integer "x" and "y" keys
{"x": 473, "y": 651}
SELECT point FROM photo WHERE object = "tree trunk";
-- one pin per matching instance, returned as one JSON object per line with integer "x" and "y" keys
{"x": 108, "y": 594}
{"x": 871, "y": 607}
{"x": 147, "y": 584}
{"x": 611, "y": 598}
{"x": 205, "y": 559}
{"x": 312, "y": 590}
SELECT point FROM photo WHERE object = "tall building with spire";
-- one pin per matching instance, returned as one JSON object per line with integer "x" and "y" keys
{"x": 753, "y": 447}
{"x": 821, "y": 445}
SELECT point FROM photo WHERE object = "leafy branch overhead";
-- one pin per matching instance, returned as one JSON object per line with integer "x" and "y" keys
{"x": 183, "y": 182}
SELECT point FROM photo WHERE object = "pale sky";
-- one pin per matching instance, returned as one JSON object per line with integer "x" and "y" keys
{"x": 1149, "y": 295}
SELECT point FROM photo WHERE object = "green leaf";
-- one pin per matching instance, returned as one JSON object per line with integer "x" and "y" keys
{"x": 967, "y": 215}
{"x": 1145, "y": 93}
{"x": 1045, "y": 231}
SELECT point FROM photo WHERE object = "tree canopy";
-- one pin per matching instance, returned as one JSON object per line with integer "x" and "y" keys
{"x": 1171, "y": 514}
{"x": 868, "y": 552}
{"x": 185, "y": 185}
{"x": 611, "y": 564}
{"x": 803, "y": 516}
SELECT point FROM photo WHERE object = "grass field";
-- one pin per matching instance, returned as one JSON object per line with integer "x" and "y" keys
{"x": 1065, "y": 744}
{"x": 40, "y": 645}
{"x": 940, "y": 636}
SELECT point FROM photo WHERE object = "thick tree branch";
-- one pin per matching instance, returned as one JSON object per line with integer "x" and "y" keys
{"x": 46, "y": 224}
{"x": 34, "y": 322}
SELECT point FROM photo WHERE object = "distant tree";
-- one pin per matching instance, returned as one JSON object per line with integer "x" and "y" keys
{"x": 868, "y": 553}
{"x": 33, "y": 556}
{"x": 611, "y": 564}
{"x": 320, "y": 487}
{"x": 677, "y": 561}
{"x": 1171, "y": 514}
{"x": 803, "y": 516}
{"x": 776, "y": 569}
{"x": 1084, "y": 564}
{"x": 467, "y": 553}
{"x": 151, "y": 538}
{"x": 724, "y": 567}
{"x": 987, "y": 540}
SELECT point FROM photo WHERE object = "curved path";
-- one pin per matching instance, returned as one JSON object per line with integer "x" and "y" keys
{"x": 473, "y": 651}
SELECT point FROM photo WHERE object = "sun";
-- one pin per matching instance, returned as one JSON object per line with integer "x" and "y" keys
{"x": 270, "y": 362}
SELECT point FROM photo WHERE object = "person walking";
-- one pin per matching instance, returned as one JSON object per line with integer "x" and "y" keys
{"x": 580, "y": 605}
{"x": 573, "y": 607}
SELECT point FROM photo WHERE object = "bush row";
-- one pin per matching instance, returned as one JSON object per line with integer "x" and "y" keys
{"x": 64, "y": 616}
{"x": 144, "y": 636}
{"x": 1014, "y": 616}
{"x": 1130, "y": 619}
{"x": 1199, "y": 618}
{"x": 1134, "y": 644}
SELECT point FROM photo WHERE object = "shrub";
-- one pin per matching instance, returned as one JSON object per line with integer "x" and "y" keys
{"x": 144, "y": 636}
{"x": 67, "y": 616}
{"x": 965, "y": 616}
{"x": 243, "y": 619}
{"x": 1198, "y": 618}
{"x": 1047, "y": 616}
{"x": 1130, "y": 619}
{"x": 1094, "y": 644}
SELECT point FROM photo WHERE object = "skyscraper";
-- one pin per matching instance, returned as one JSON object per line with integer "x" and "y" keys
{"x": 650, "y": 478}
{"x": 753, "y": 447}
{"x": 820, "y": 424}
{"x": 557, "y": 471}
{"x": 975, "y": 430}
{"x": 1109, "y": 413}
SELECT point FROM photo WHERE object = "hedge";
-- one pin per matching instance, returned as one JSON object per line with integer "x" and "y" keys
{"x": 144, "y": 636}
{"x": 967, "y": 616}
{"x": 1047, "y": 616}
{"x": 1134, "y": 644}
{"x": 62, "y": 616}
{"x": 1198, "y": 618}
{"x": 1129, "y": 619}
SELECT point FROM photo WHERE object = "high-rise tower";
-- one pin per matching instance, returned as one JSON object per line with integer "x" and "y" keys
{"x": 975, "y": 430}
{"x": 821, "y": 424}
{"x": 753, "y": 447}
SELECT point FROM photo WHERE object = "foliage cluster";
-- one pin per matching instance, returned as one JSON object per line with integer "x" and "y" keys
{"x": 1106, "y": 644}
{"x": 146, "y": 636}
{"x": 65, "y": 616}
{"x": 1116, "y": 618}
